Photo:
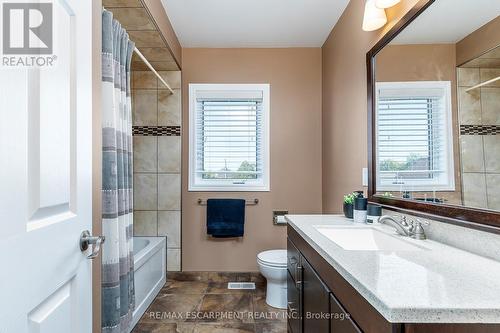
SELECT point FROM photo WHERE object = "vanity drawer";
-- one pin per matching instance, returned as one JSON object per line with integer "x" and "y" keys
{"x": 293, "y": 260}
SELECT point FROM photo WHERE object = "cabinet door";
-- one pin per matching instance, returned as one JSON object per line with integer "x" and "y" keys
{"x": 294, "y": 292}
{"x": 316, "y": 301}
{"x": 340, "y": 321}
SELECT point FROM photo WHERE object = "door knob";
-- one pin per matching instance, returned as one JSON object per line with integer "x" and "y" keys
{"x": 86, "y": 239}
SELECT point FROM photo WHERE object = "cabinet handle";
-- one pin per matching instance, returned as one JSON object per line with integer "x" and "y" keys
{"x": 298, "y": 269}
{"x": 289, "y": 306}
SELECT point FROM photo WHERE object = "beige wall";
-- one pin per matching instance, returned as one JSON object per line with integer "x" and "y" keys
{"x": 295, "y": 78}
{"x": 160, "y": 17}
{"x": 428, "y": 62}
{"x": 480, "y": 41}
{"x": 344, "y": 116}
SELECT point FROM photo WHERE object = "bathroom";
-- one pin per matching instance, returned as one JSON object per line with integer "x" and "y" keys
{"x": 315, "y": 166}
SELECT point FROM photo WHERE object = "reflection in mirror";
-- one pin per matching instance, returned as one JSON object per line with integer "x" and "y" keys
{"x": 438, "y": 107}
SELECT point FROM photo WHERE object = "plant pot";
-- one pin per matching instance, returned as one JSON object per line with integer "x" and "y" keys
{"x": 348, "y": 210}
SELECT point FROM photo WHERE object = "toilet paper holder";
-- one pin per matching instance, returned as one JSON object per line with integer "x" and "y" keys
{"x": 279, "y": 217}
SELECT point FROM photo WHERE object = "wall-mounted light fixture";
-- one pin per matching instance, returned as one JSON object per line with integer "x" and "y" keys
{"x": 386, "y": 3}
{"x": 374, "y": 17}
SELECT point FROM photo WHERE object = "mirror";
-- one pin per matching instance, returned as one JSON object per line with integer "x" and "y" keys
{"x": 436, "y": 108}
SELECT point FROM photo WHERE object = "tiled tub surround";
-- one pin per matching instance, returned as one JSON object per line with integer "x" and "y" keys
{"x": 157, "y": 160}
{"x": 205, "y": 293}
{"x": 479, "y": 112}
{"x": 442, "y": 284}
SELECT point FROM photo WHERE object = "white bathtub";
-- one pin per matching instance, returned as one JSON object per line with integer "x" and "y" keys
{"x": 150, "y": 269}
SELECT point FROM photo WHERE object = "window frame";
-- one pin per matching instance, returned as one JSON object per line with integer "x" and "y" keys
{"x": 449, "y": 184}
{"x": 195, "y": 184}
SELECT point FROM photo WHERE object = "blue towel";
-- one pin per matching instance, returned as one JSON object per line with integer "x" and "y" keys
{"x": 225, "y": 217}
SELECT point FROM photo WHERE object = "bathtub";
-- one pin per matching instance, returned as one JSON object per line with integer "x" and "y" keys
{"x": 150, "y": 269}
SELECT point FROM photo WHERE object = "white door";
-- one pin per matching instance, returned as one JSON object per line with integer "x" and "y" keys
{"x": 45, "y": 181}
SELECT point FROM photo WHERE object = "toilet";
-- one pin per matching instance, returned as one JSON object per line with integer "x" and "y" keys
{"x": 273, "y": 266}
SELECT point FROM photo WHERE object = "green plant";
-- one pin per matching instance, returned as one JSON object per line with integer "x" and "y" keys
{"x": 349, "y": 198}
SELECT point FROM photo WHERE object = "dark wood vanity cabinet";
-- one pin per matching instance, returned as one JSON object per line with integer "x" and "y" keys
{"x": 312, "y": 307}
{"x": 320, "y": 300}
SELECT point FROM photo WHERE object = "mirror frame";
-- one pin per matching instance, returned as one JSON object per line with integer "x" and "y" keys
{"x": 469, "y": 217}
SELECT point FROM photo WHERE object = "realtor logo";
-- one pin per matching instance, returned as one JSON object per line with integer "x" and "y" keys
{"x": 27, "y": 28}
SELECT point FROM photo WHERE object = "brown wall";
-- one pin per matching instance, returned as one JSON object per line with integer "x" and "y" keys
{"x": 344, "y": 116}
{"x": 429, "y": 62}
{"x": 479, "y": 42}
{"x": 157, "y": 11}
{"x": 295, "y": 78}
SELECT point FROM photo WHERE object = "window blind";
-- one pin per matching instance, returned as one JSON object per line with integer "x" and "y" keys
{"x": 229, "y": 138}
{"x": 412, "y": 140}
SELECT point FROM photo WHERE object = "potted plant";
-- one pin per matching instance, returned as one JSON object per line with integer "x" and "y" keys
{"x": 349, "y": 205}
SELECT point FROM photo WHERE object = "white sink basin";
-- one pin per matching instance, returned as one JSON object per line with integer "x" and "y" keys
{"x": 365, "y": 239}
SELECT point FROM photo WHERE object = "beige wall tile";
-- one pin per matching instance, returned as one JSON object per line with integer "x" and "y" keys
{"x": 470, "y": 107}
{"x": 144, "y": 80}
{"x": 145, "y": 223}
{"x": 468, "y": 77}
{"x": 173, "y": 260}
{"x": 133, "y": 18}
{"x": 169, "y": 192}
{"x": 145, "y": 153}
{"x": 490, "y": 73}
{"x": 121, "y": 3}
{"x": 169, "y": 154}
{"x": 156, "y": 53}
{"x": 145, "y": 108}
{"x": 169, "y": 224}
{"x": 169, "y": 108}
{"x": 492, "y": 153}
{"x": 493, "y": 187}
{"x": 490, "y": 103}
{"x": 173, "y": 79}
{"x": 138, "y": 65}
{"x": 474, "y": 187}
{"x": 146, "y": 38}
{"x": 145, "y": 191}
{"x": 472, "y": 156}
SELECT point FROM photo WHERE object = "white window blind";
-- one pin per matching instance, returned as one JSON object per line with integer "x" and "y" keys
{"x": 229, "y": 137}
{"x": 414, "y": 137}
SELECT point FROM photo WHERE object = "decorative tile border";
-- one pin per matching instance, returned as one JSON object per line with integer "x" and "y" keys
{"x": 156, "y": 130}
{"x": 479, "y": 129}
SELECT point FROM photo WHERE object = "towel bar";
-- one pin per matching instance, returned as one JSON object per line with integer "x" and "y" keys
{"x": 247, "y": 202}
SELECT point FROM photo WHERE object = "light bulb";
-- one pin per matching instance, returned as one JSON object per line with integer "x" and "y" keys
{"x": 374, "y": 18}
{"x": 386, "y": 3}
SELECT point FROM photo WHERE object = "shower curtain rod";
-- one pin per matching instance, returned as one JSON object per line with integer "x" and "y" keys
{"x": 143, "y": 58}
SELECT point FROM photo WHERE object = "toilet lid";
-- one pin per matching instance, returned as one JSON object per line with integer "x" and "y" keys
{"x": 273, "y": 257}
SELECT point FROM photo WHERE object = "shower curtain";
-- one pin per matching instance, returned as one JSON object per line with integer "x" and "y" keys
{"x": 117, "y": 219}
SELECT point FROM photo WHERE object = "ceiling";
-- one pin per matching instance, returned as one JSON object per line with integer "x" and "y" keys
{"x": 253, "y": 23}
{"x": 449, "y": 21}
{"x": 135, "y": 18}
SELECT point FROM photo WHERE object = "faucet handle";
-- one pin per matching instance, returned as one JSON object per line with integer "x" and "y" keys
{"x": 404, "y": 220}
{"x": 417, "y": 231}
{"x": 424, "y": 222}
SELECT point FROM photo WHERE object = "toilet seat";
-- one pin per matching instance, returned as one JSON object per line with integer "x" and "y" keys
{"x": 273, "y": 258}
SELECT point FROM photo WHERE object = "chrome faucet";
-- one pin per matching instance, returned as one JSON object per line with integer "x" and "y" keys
{"x": 414, "y": 229}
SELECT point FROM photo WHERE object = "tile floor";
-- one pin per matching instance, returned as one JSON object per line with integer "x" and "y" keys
{"x": 200, "y": 302}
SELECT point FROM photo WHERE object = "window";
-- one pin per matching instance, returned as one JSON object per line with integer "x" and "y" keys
{"x": 414, "y": 136}
{"x": 229, "y": 137}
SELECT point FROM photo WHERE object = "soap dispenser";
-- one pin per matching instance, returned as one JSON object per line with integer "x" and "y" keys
{"x": 360, "y": 208}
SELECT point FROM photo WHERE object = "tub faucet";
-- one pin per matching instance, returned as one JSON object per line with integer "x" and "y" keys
{"x": 414, "y": 229}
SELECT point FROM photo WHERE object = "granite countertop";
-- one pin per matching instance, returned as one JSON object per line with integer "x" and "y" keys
{"x": 440, "y": 284}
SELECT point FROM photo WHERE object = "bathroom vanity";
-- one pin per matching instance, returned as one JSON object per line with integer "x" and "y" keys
{"x": 384, "y": 282}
